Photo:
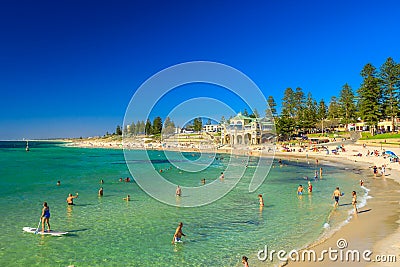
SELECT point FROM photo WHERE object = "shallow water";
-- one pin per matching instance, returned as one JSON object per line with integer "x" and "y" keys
{"x": 108, "y": 231}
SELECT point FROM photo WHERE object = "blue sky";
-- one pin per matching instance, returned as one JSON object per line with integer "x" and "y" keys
{"x": 70, "y": 68}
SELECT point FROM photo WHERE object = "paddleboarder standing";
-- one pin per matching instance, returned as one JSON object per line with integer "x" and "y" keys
{"x": 45, "y": 217}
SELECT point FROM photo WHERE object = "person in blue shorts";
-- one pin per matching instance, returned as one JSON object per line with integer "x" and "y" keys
{"x": 178, "y": 234}
{"x": 300, "y": 190}
{"x": 45, "y": 217}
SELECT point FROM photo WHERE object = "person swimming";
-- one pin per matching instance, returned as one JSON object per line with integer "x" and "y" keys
{"x": 245, "y": 261}
{"x": 260, "y": 198}
{"x": 178, "y": 191}
{"x": 300, "y": 189}
{"x": 101, "y": 191}
{"x": 127, "y": 198}
{"x": 309, "y": 187}
{"x": 178, "y": 234}
{"x": 70, "y": 199}
{"x": 336, "y": 195}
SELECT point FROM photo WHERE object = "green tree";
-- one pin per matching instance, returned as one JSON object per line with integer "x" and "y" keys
{"x": 333, "y": 109}
{"x": 347, "y": 107}
{"x": 197, "y": 124}
{"x": 322, "y": 113}
{"x": 390, "y": 83}
{"x": 271, "y": 111}
{"x": 299, "y": 102}
{"x": 309, "y": 114}
{"x": 245, "y": 113}
{"x": 132, "y": 129}
{"x": 148, "y": 128}
{"x": 285, "y": 126}
{"x": 118, "y": 130}
{"x": 288, "y": 103}
{"x": 157, "y": 125}
{"x": 370, "y": 94}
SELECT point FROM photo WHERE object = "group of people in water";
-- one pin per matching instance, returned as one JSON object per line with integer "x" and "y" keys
{"x": 45, "y": 215}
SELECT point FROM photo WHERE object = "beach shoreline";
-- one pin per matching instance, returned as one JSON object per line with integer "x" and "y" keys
{"x": 374, "y": 215}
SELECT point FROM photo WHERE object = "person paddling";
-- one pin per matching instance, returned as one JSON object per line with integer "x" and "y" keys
{"x": 45, "y": 217}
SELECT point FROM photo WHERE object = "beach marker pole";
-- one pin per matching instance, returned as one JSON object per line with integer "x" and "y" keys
{"x": 37, "y": 229}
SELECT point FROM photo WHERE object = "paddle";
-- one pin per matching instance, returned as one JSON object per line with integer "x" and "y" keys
{"x": 37, "y": 229}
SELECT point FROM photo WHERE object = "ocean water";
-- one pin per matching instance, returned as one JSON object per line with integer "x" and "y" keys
{"x": 108, "y": 231}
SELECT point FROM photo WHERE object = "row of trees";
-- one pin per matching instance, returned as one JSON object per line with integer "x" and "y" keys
{"x": 378, "y": 97}
{"x": 147, "y": 128}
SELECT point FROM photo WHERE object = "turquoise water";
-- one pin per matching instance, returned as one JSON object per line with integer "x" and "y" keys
{"x": 108, "y": 231}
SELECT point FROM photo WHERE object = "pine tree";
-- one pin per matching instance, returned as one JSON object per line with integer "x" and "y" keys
{"x": 333, "y": 109}
{"x": 309, "y": 114}
{"x": 148, "y": 128}
{"x": 118, "y": 130}
{"x": 370, "y": 95}
{"x": 272, "y": 107}
{"x": 288, "y": 103}
{"x": 347, "y": 107}
{"x": 197, "y": 124}
{"x": 322, "y": 113}
{"x": 157, "y": 125}
{"x": 390, "y": 82}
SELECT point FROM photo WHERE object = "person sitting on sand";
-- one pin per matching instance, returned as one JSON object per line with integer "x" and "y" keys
{"x": 70, "y": 199}
{"x": 260, "y": 198}
{"x": 45, "y": 217}
{"x": 178, "y": 234}
{"x": 178, "y": 191}
{"x": 127, "y": 198}
{"x": 245, "y": 261}
{"x": 300, "y": 190}
{"x": 101, "y": 191}
{"x": 336, "y": 195}
{"x": 354, "y": 201}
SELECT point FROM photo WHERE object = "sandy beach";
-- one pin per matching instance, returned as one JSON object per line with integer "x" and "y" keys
{"x": 375, "y": 227}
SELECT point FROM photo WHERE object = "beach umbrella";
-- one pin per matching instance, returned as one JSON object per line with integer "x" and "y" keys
{"x": 390, "y": 153}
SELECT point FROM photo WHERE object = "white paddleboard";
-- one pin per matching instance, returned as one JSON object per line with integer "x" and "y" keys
{"x": 33, "y": 230}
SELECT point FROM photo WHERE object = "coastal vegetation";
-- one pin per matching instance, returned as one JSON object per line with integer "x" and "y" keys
{"x": 376, "y": 99}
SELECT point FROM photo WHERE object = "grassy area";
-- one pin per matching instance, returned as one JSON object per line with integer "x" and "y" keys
{"x": 368, "y": 136}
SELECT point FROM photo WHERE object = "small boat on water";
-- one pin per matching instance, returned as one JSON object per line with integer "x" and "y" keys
{"x": 27, "y": 146}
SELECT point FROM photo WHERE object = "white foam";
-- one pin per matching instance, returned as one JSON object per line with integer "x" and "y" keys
{"x": 326, "y": 225}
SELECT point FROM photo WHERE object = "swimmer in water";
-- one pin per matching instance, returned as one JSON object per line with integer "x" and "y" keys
{"x": 336, "y": 195}
{"x": 101, "y": 192}
{"x": 70, "y": 199}
{"x": 309, "y": 187}
{"x": 245, "y": 261}
{"x": 127, "y": 198}
{"x": 361, "y": 182}
{"x": 178, "y": 191}
{"x": 300, "y": 190}
{"x": 222, "y": 176}
{"x": 260, "y": 198}
{"x": 58, "y": 183}
{"x": 178, "y": 234}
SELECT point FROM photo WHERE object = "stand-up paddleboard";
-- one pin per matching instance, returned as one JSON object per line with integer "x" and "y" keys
{"x": 33, "y": 231}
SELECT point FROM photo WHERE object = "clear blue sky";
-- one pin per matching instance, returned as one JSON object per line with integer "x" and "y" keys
{"x": 70, "y": 68}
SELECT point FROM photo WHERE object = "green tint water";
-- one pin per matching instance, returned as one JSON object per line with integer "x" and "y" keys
{"x": 108, "y": 231}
